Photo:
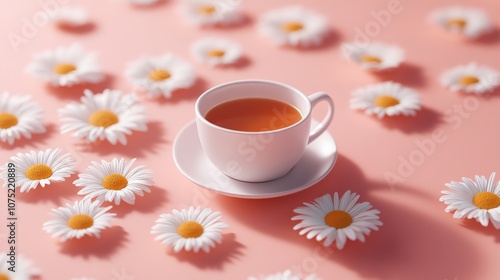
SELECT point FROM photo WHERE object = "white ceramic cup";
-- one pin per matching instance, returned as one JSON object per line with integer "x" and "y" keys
{"x": 263, "y": 155}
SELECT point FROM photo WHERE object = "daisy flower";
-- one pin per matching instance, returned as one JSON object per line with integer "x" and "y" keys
{"x": 19, "y": 116}
{"x": 114, "y": 181}
{"x": 161, "y": 75}
{"x": 467, "y": 21}
{"x": 24, "y": 268}
{"x": 212, "y": 12}
{"x": 294, "y": 26}
{"x": 109, "y": 116}
{"x": 471, "y": 78}
{"x": 375, "y": 56}
{"x": 141, "y": 2}
{"x": 337, "y": 219}
{"x": 42, "y": 168}
{"x": 285, "y": 275}
{"x": 75, "y": 221}
{"x": 71, "y": 17}
{"x": 479, "y": 199}
{"x": 386, "y": 99}
{"x": 189, "y": 229}
{"x": 215, "y": 51}
{"x": 66, "y": 66}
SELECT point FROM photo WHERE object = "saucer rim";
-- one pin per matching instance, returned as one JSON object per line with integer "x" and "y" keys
{"x": 260, "y": 196}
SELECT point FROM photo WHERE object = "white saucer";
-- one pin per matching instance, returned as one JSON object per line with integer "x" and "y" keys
{"x": 317, "y": 161}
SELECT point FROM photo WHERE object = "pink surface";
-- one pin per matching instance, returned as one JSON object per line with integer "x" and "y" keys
{"x": 418, "y": 239}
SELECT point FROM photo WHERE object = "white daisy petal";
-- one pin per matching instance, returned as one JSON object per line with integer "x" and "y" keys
{"x": 189, "y": 229}
{"x": 471, "y": 78}
{"x": 105, "y": 116}
{"x": 216, "y": 51}
{"x": 19, "y": 116}
{"x": 141, "y": 2}
{"x": 376, "y": 56}
{"x": 75, "y": 221}
{"x": 42, "y": 168}
{"x": 212, "y": 12}
{"x": 25, "y": 270}
{"x": 66, "y": 66}
{"x": 294, "y": 26}
{"x": 477, "y": 199}
{"x": 160, "y": 75}
{"x": 386, "y": 99}
{"x": 336, "y": 220}
{"x": 71, "y": 17}
{"x": 469, "y": 22}
{"x": 285, "y": 275}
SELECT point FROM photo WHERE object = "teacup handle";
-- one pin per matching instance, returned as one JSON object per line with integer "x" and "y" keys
{"x": 315, "y": 98}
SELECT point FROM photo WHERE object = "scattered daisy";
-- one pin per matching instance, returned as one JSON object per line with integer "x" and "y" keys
{"x": 42, "y": 168}
{"x": 294, "y": 26}
{"x": 191, "y": 229}
{"x": 386, "y": 99}
{"x": 75, "y": 221}
{"x": 471, "y": 78}
{"x": 215, "y": 51}
{"x": 161, "y": 75}
{"x": 25, "y": 270}
{"x": 337, "y": 219}
{"x": 470, "y": 22}
{"x": 285, "y": 275}
{"x": 71, "y": 17}
{"x": 66, "y": 66}
{"x": 212, "y": 12}
{"x": 141, "y": 2}
{"x": 478, "y": 200}
{"x": 114, "y": 181}
{"x": 109, "y": 115}
{"x": 19, "y": 116}
{"x": 376, "y": 56}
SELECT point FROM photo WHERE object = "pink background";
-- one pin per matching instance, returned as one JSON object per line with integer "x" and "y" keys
{"x": 418, "y": 239}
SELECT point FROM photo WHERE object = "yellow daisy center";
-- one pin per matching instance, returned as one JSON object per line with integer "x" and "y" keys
{"x": 206, "y": 10}
{"x": 486, "y": 200}
{"x": 103, "y": 118}
{"x": 39, "y": 172}
{"x": 159, "y": 75}
{"x": 292, "y": 26}
{"x": 338, "y": 219}
{"x": 114, "y": 182}
{"x": 3, "y": 276}
{"x": 371, "y": 59}
{"x": 386, "y": 101}
{"x": 190, "y": 229}
{"x": 457, "y": 22}
{"x": 216, "y": 53}
{"x": 64, "y": 68}
{"x": 7, "y": 120}
{"x": 80, "y": 221}
{"x": 468, "y": 80}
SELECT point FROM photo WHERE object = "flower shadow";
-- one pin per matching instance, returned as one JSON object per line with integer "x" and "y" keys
{"x": 81, "y": 29}
{"x": 151, "y": 6}
{"x": 491, "y": 37}
{"x": 138, "y": 144}
{"x": 490, "y": 230}
{"x": 56, "y": 193}
{"x": 111, "y": 239}
{"x": 75, "y": 92}
{"x": 36, "y": 141}
{"x": 407, "y": 242}
{"x": 149, "y": 203}
{"x": 426, "y": 120}
{"x": 407, "y": 74}
{"x": 229, "y": 251}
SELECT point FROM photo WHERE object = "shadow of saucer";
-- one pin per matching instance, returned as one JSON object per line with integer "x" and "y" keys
{"x": 425, "y": 120}
{"x": 229, "y": 251}
{"x": 75, "y": 92}
{"x": 36, "y": 141}
{"x": 149, "y": 203}
{"x": 110, "y": 240}
{"x": 407, "y": 74}
{"x": 80, "y": 29}
{"x": 56, "y": 192}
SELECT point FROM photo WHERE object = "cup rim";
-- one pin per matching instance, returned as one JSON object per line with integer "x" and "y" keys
{"x": 206, "y": 122}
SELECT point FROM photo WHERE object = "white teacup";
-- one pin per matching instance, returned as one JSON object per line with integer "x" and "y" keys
{"x": 261, "y": 155}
